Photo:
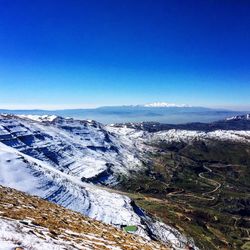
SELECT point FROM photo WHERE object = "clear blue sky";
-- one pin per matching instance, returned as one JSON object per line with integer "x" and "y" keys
{"x": 80, "y": 53}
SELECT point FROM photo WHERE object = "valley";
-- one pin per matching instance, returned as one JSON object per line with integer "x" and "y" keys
{"x": 202, "y": 188}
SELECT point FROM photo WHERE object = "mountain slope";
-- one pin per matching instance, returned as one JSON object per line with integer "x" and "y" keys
{"x": 83, "y": 149}
{"x": 46, "y": 177}
{"x": 32, "y": 223}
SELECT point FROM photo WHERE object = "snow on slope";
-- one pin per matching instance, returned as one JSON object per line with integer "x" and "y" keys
{"x": 35, "y": 177}
{"x": 141, "y": 137}
{"x": 12, "y": 231}
{"x": 55, "y": 227}
{"x": 80, "y": 148}
{"x": 38, "y": 178}
{"x": 186, "y": 135}
{"x": 39, "y": 118}
{"x": 15, "y": 233}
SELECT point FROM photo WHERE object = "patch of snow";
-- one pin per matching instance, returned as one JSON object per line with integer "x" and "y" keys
{"x": 14, "y": 234}
{"x": 39, "y": 118}
{"x": 239, "y": 117}
{"x": 186, "y": 135}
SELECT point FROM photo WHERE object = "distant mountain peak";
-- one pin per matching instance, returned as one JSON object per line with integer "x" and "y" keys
{"x": 165, "y": 105}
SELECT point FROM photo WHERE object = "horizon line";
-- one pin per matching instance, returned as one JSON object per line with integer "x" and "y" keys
{"x": 58, "y": 108}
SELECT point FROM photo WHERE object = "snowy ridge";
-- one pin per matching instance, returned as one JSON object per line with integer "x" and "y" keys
{"x": 173, "y": 135}
{"x": 81, "y": 148}
{"x": 37, "y": 178}
{"x": 187, "y": 135}
{"x": 239, "y": 117}
{"x": 39, "y": 118}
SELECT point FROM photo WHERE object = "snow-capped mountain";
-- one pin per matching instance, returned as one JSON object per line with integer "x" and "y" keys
{"x": 53, "y": 157}
{"x": 84, "y": 149}
{"x": 141, "y": 136}
{"x": 40, "y": 118}
{"x": 165, "y": 105}
{"x": 152, "y": 105}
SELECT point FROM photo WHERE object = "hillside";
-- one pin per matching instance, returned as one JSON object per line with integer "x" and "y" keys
{"x": 31, "y": 223}
{"x": 48, "y": 157}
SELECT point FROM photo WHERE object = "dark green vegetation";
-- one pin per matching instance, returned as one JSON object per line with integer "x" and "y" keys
{"x": 202, "y": 188}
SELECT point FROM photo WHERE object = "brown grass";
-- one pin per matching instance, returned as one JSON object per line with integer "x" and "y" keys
{"x": 20, "y": 206}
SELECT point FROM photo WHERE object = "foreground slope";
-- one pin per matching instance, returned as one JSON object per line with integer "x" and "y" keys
{"x": 32, "y": 223}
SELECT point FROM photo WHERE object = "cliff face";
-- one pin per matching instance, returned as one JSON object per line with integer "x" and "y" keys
{"x": 29, "y": 222}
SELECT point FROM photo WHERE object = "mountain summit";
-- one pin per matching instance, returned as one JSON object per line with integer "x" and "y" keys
{"x": 165, "y": 105}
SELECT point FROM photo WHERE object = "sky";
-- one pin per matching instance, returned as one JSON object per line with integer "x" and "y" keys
{"x": 87, "y": 53}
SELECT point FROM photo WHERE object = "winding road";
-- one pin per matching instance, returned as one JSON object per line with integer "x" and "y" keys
{"x": 217, "y": 184}
{"x": 205, "y": 195}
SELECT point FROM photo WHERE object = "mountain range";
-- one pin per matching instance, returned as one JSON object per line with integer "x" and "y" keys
{"x": 157, "y": 112}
